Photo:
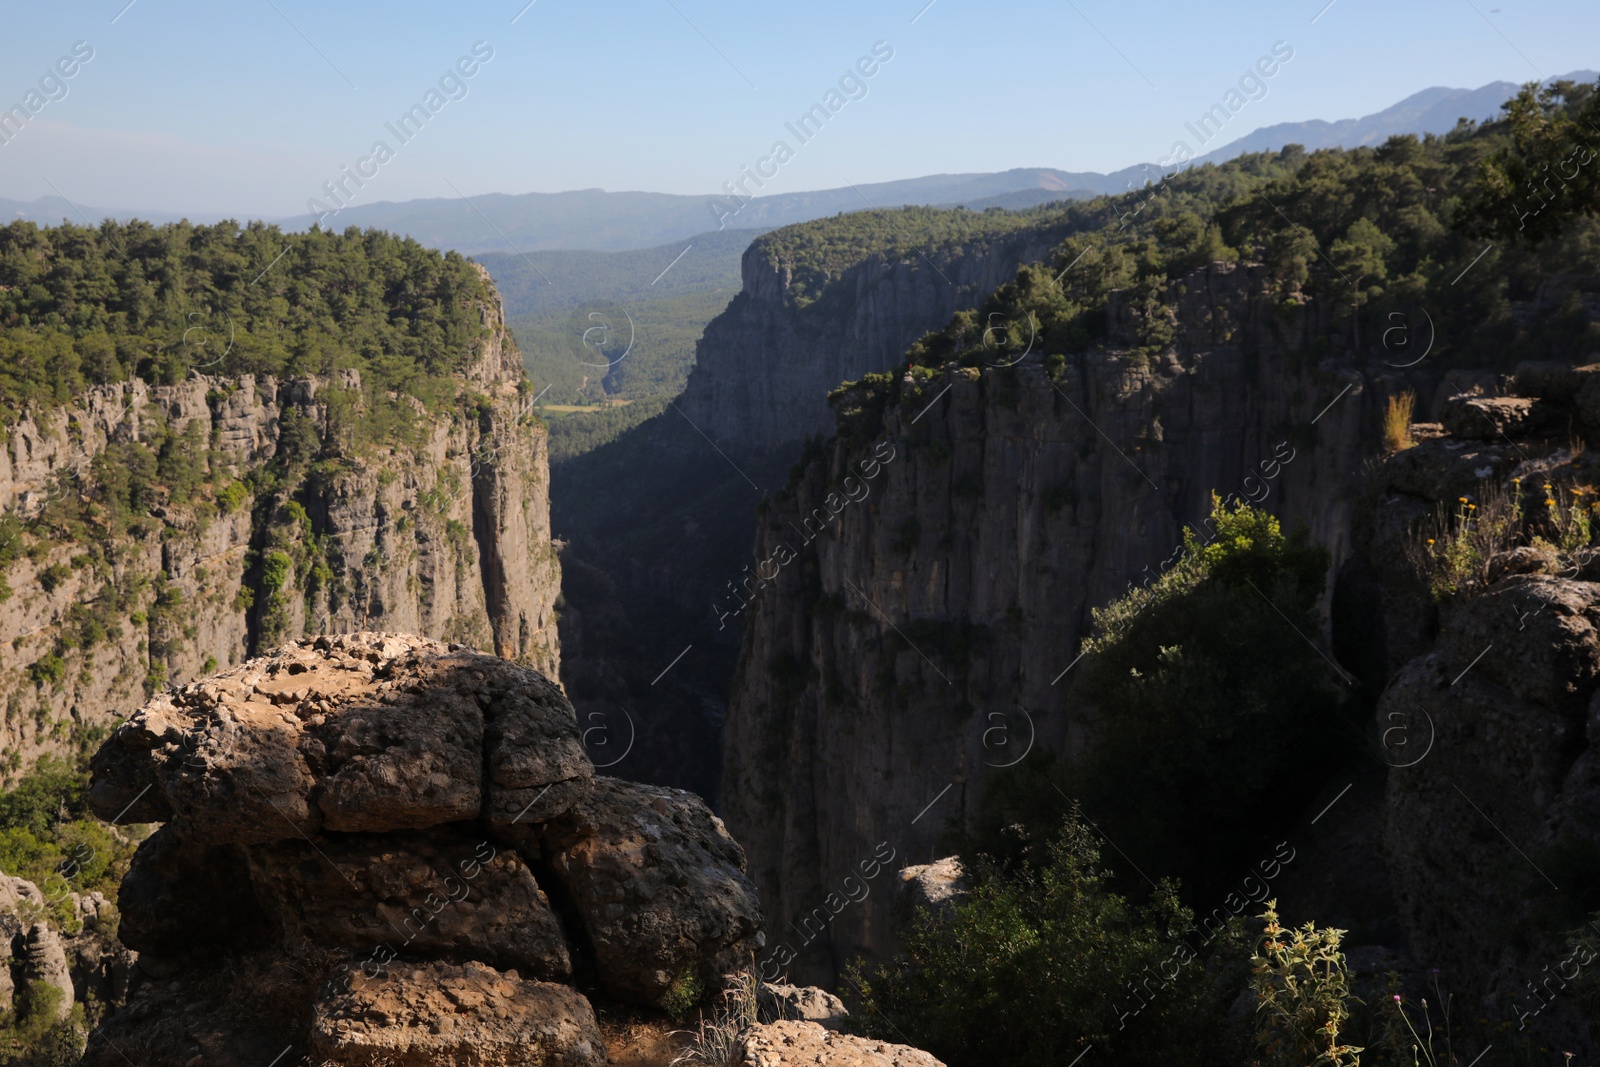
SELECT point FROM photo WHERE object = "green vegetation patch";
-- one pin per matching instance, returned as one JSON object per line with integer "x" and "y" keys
{"x": 81, "y": 307}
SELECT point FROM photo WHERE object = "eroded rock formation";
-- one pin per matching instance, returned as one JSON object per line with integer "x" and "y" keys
{"x": 37, "y": 954}
{"x": 380, "y": 845}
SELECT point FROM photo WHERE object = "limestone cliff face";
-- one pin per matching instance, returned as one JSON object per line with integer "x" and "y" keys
{"x": 925, "y": 632}
{"x": 765, "y": 366}
{"x": 448, "y": 536}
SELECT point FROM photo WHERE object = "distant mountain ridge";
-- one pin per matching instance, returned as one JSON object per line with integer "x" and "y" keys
{"x": 1433, "y": 110}
{"x": 601, "y": 221}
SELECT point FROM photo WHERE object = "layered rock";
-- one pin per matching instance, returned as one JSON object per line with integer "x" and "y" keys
{"x": 379, "y": 832}
{"x": 447, "y": 535}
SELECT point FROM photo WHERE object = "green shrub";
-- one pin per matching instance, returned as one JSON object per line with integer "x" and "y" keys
{"x": 52, "y": 577}
{"x": 232, "y": 497}
{"x": 1217, "y": 712}
{"x": 38, "y": 1038}
{"x": 684, "y": 995}
{"x": 1042, "y": 960}
{"x": 49, "y": 836}
{"x": 50, "y": 669}
{"x": 1302, "y": 994}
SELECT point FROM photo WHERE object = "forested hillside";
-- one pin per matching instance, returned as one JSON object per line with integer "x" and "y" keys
{"x": 596, "y": 328}
{"x": 218, "y": 438}
{"x": 82, "y": 307}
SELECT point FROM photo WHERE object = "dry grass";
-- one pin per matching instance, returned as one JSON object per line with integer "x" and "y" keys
{"x": 718, "y": 1041}
{"x": 1397, "y": 422}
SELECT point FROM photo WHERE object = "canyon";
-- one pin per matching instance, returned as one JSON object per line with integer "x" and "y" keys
{"x": 658, "y": 525}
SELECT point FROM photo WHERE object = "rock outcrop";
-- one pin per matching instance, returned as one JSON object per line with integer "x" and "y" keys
{"x": 441, "y": 1013}
{"x": 790, "y": 1044}
{"x": 800, "y": 1003}
{"x": 389, "y": 846}
{"x": 930, "y": 887}
{"x": 1491, "y": 710}
{"x": 447, "y": 535}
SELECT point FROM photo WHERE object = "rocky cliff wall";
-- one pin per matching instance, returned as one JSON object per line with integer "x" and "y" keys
{"x": 658, "y": 522}
{"x": 447, "y": 535}
{"x": 1491, "y": 714}
{"x": 924, "y": 635}
{"x": 764, "y": 367}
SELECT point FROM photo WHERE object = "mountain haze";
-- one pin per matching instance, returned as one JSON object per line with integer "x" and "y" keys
{"x": 598, "y": 220}
{"x": 1434, "y": 110}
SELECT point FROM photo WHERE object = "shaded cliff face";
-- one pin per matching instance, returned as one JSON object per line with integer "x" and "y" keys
{"x": 764, "y": 367}
{"x": 652, "y": 555}
{"x": 922, "y": 637}
{"x": 447, "y": 535}
{"x": 1492, "y": 707}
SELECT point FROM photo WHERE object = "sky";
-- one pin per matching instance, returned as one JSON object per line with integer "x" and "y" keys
{"x": 249, "y": 107}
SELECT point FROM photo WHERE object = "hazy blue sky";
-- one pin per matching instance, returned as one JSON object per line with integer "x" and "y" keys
{"x": 249, "y": 106}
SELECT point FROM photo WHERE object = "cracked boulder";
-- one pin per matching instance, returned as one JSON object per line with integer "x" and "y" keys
{"x": 381, "y": 848}
{"x": 660, "y": 886}
{"x": 353, "y": 732}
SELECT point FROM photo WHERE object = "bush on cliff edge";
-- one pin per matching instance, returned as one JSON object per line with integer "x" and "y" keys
{"x": 1039, "y": 962}
{"x": 1215, "y": 715}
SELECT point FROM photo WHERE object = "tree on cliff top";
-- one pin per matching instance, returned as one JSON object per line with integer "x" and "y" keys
{"x": 1549, "y": 175}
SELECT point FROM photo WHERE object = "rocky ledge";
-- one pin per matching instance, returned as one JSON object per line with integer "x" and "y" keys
{"x": 784, "y": 1043}
{"x": 384, "y": 848}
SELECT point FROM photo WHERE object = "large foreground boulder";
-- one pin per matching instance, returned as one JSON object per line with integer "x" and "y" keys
{"x": 415, "y": 827}
{"x": 356, "y": 732}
